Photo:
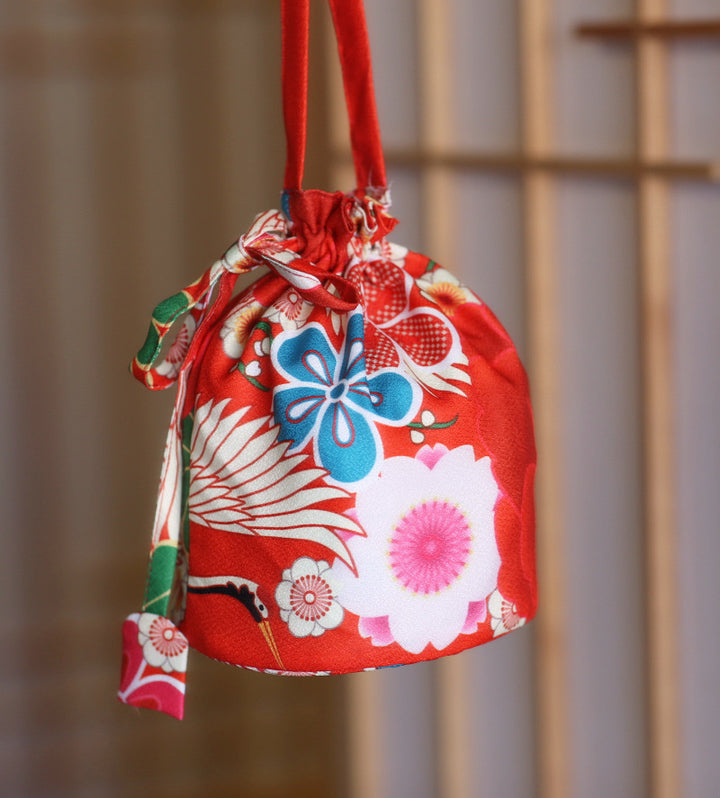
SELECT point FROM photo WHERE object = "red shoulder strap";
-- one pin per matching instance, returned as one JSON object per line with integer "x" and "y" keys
{"x": 355, "y": 60}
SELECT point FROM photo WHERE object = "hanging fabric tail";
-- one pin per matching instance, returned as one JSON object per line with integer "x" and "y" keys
{"x": 154, "y": 650}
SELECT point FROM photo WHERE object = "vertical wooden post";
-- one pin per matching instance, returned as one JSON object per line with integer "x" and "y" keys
{"x": 543, "y": 311}
{"x": 364, "y": 755}
{"x": 435, "y": 74}
{"x": 657, "y": 335}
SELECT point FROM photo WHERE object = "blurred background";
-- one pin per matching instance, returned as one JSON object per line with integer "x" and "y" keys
{"x": 562, "y": 157}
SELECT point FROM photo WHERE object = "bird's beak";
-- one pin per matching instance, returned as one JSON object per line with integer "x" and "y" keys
{"x": 270, "y": 640}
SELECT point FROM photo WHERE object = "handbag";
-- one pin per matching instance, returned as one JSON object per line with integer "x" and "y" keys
{"x": 347, "y": 482}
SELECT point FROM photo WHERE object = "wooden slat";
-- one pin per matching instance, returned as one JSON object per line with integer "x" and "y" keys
{"x": 452, "y": 736}
{"x": 657, "y": 336}
{"x": 632, "y": 168}
{"x": 436, "y": 82}
{"x": 553, "y": 741}
{"x": 666, "y": 29}
{"x": 364, "y": 765}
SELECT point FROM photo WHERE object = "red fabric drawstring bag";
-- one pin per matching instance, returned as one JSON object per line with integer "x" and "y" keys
{"x": 348, "y": 477}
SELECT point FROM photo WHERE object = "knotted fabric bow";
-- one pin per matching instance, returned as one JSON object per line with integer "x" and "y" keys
{"x": 271, "y": 241}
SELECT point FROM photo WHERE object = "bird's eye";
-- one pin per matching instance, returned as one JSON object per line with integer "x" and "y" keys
{"x": 261, "y": 608}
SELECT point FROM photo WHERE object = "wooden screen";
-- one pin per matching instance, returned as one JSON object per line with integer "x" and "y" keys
{"x": 626, "y": 185}
{"x": 558, "y": 156}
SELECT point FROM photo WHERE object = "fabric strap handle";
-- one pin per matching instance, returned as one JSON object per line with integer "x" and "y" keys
{"x": 355, "y": 60}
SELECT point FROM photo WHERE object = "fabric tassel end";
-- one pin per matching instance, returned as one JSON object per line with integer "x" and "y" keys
{"x": 155, "y": 655}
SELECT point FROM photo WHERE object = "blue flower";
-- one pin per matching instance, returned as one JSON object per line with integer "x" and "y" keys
{"x": 331, "y": 400}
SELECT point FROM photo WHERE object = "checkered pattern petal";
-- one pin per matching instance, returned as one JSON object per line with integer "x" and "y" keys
{"x": 425, "y": 339}
{"x": 380, "y": 351}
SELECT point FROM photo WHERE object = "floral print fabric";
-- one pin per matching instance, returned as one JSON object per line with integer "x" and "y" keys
{"x": 429, "y": 552}
{"x": 154, "y": 664}
{"x": 306, "y": 597}
{"x": 348, "y": 478}
{"x": 403, "y": 332}
{"x": 445, "y": 290}
{"x": 242, "y": 482}
{"x": 330, "y": 399}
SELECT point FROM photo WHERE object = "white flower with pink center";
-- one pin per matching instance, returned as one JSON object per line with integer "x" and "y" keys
{"x": 163, "y": 644}
{"x": 504, "y": 616}
{"x": 429, "y": 559}
{"x": 306, "y": 597}
{"x": 430, "y": 546}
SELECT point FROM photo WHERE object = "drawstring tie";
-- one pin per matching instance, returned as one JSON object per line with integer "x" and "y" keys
{"x": 272, "y": 241}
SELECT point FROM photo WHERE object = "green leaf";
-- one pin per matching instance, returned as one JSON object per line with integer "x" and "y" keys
{"x": 266, "y": 327}
{"x": 435, "y": 425}
{"x": 251, "y": 379}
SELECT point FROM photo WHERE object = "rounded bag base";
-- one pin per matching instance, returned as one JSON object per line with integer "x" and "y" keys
{"x": 420, "y": 546}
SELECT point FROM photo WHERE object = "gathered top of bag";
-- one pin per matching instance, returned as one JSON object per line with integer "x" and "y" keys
{"x": 348, "y": 477}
